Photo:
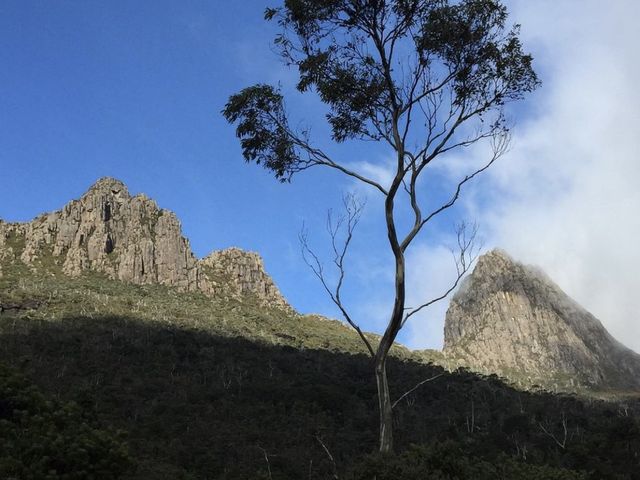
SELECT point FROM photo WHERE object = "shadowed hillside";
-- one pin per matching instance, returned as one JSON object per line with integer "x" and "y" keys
{"x": 197, "y": 405}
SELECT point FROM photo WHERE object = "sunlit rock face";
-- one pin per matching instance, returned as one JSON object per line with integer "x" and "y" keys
{"x": 236, "y": 273}
{"x": 511, "y": 319}
{"x": 130, "y": 238}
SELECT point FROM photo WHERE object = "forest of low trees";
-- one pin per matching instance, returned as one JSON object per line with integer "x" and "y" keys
{"x": 195, "y": 405}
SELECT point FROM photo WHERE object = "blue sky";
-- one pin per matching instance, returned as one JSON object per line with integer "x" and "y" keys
{"x": 90, "y": 89}
{"x": 134, "y": 90}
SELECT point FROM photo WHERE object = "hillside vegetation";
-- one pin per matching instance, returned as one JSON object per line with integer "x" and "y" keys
{"x": 212, "y": 389}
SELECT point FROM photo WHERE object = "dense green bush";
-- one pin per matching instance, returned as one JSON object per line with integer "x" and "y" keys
{"x": 448, "y": 461}
{"x": 42, "y": 439}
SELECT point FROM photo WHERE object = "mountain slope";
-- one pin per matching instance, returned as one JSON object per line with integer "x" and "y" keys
{"x": 228, "y": 389}
{"x": 511, "y": 319}
{"x": 110, "y": 253}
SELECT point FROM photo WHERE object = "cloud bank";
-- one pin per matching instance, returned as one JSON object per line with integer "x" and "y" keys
{"x": 566, "y": 197}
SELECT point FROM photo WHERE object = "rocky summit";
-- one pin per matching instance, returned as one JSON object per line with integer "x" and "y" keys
{"x": 130, "y": 238}
{"x": 511, "y": 319}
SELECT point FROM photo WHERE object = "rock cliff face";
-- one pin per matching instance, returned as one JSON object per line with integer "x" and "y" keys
{"x": 236, "y": 273}
{"x": 511, "y": 319}
{"x": 130, "y": 238}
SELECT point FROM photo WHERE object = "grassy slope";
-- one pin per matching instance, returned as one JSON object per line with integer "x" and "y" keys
{"x": 58, "y": 296}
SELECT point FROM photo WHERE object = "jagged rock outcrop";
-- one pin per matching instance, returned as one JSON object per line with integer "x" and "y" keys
{"x": 511, "y": 319}
{"x": 130, "y": 238}
{"x": 234, "y": 272}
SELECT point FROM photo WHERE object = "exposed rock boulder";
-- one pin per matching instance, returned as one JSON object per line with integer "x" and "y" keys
{"x": 130, "y": 238}
{"x": 511, "y": 319}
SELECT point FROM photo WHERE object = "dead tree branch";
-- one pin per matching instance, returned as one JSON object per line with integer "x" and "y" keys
{"x": 466, "y": 255}
{"x": 266, "y": 459}
{"x": 333, "y": 462}
{"x": 561, "y": 443}
{"x": 409, "y": 392}
{"x": 340, "y": 231}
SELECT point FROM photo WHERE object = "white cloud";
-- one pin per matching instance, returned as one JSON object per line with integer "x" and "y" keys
{"x": 430, "y": 273}
{"x": 382, "y": 172}
{"x": 567, "y": 197}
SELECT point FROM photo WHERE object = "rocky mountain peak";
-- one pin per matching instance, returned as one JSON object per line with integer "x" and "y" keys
{"x": 108, "y": 186}
{"x": 511, "y": 319}
{"x": 130, "y": 238}
{"x": 106, "y": 195}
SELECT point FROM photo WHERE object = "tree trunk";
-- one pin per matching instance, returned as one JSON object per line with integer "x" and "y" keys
{"x": 395, "y": 322}
{"x": 384, "y": 406}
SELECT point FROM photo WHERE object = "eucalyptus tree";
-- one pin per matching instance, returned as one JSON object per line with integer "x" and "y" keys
{"x": 421, "y": 77}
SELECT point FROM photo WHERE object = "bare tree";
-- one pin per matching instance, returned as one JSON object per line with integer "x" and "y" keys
{"x": 421, "y": 77}
{"x": 560, "y": 440}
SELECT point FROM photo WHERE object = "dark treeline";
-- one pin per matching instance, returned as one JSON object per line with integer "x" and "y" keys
{"x": 199, "y": 406}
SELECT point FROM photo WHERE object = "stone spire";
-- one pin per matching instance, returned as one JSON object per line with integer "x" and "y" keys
{"x": 511, "y": 319}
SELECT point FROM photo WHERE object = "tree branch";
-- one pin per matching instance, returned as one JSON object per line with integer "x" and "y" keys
{"x": 326, "y": 450}
{"x": 500, "y": 145}
{"x": 562, "y": 444}
{"x": 318, "y": 157}
{"x": 348, "y": 222}
{"x": 464, "y": 259}
{"x": 404, "y": 395}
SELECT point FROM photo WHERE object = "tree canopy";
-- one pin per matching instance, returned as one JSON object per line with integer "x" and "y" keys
{"x": 406, "y": 72}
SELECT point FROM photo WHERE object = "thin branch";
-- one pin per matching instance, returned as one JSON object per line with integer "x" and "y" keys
{"x": 266, "y": 458}
{"x": 330, "y": 163}
{"x": 318, "y": 157}
{"x": 404, "y": 395}
{"x": 562, "y": 444}
{"x": 348, "y": 223}
{"x": 333, "y": 462}
{"x": 429, "y": 91}
{"x": 464, "y": 259}
{"x": 500, "y": 146}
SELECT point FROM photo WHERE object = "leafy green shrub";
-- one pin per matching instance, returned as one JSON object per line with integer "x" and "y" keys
{"x": 42, "y": 439}
{"x": 448, "y": 461}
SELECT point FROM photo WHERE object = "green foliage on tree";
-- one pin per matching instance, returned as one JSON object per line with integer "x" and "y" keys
{"x": 43, "y": 439}
{"x": 420, "y": 77}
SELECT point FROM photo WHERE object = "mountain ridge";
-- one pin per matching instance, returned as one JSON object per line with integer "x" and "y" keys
{"x": 506, "y": 318}
{"x": 130, "y": 238}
